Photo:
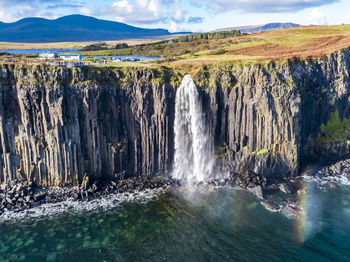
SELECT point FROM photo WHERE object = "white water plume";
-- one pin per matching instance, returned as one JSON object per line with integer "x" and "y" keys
{"x": 193, "y": 148}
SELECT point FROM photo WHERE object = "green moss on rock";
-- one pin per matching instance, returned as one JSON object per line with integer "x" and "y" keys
{"x": 260, "y": 152}
{"x": 336, "y": 130}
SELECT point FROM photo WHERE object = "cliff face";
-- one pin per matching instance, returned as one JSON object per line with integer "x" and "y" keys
{"x": 255, "y": 117}
{"x": 275, "y": 119}
{"x": 59, "y": 124}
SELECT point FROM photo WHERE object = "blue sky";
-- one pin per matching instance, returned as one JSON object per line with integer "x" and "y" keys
{"x": 185, "y": 15}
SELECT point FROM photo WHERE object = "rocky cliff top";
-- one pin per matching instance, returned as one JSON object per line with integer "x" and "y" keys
{"x": 32, "y": 75}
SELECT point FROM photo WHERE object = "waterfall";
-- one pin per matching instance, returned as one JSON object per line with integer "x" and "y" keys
{"x": 193, "y": 161}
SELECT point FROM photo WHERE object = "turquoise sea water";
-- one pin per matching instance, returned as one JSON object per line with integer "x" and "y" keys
{"x": 210, "y": 225}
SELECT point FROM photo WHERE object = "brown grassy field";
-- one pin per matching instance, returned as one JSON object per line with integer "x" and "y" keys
{"x": 279, "y": 45}
{"x": 77, "y": 45}
{"x": 66, "y": 45}
{"x": 63, "y": 45}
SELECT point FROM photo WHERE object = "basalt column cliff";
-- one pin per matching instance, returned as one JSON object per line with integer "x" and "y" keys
{"x": 59, "y": 124}
{"x": 274, "y": 120}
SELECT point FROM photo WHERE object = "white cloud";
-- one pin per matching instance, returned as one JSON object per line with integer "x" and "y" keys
{"x": 144, "y": 11}
{"x": 123, "y": 6}
{"x": 347, "y": 20}
{"x": 262, "y": 6}
{"x": 178, "y": 14}
{"x": 5, "y": 16}
{"x": 84, "y": 11}
{"x": 32, "y": 11}
{"x": 317, "y": 17}
{"x": 173, "y": 26}
{"x": 13, "y": 10}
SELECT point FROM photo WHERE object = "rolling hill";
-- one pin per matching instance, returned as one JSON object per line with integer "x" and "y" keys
{"x": 72, "y": 28}
{"x": 260, "y": 28}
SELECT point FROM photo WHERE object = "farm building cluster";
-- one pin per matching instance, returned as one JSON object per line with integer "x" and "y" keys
{"x": 79, "y": 60}
{"x": 68, "y": 57}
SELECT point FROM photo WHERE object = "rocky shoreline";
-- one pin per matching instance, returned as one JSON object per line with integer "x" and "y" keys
{"x": 331, "y": 175}
{"x": 277, "y": 195}
{"x": 287, "y": 195}
{"x": 19, "y": 196}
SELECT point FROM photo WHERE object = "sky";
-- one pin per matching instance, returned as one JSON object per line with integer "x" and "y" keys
{"x": 185, "y": 15}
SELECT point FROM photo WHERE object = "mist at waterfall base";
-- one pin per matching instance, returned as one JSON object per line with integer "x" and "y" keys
{"x": 195, "y": 222}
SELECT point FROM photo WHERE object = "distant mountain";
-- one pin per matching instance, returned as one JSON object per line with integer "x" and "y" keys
{"x": 260, "y": 28}
{"x": 72, "y": 28}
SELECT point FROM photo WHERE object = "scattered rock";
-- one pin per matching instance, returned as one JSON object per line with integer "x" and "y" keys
{"x": 257, "y": 190}
{"x": 27, "y": 199}
{"x": 271, "y": 205}
{"x": 19, "y": 196}
{"x": 9, "y": 200}
{"x": 3, "y": 187}
{"x": 251, "y": 185}
{"x": 301, "y": 192}
{"x": 292, "y": 211}
{"x": 40, "y": 196}
{"x": 291, "y": 201}
{"x": 250, "y": 180}
{"x": 332, "y": 185}
{"x": 286, "y": 188}
{"x": 76, "y": 196}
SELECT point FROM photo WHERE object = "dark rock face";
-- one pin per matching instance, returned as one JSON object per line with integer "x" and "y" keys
{"x": 58, "y": 124}
{"x": 69, "y": 126}
{"x": 255, "y": 120}
{"x": 268, "y": 119}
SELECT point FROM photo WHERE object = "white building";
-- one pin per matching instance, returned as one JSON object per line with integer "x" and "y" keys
{"x": 48, "y": 56}
{"x": 71, "y": 57}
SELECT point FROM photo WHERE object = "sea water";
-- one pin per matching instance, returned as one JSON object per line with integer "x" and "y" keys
{"x": 223, "y": 224}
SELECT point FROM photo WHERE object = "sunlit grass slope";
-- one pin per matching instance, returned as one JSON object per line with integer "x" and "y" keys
{"x": 279, "y": 45}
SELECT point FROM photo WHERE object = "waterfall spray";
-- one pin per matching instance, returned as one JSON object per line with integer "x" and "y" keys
{"x": 193, "y": 148}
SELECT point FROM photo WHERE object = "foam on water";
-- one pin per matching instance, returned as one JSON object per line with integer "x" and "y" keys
{"x": 72, "y": 206}
{"x": 327, "y": 180}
